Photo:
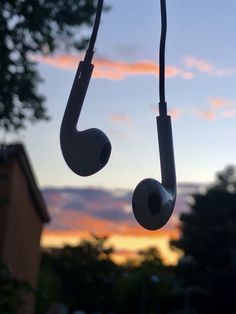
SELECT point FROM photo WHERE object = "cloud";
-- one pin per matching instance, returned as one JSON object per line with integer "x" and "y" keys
{"x": 81, "y": 212}
{"x": 97, "y": 203}
{"x": 100, "y": 210}
{"x": 208, "y": 115}
{"x": 219, "y": 102}
{"x": 113, "y": 70}
{"x": 119, "y": 70}
{"x": 204, "y": 66}
{"x": 121, "y": 118}
{"x": 229, "y": 113}
{"x": 214, "y": 108}
{"x": 175, "y": 113}
{"x": 218, "y": 107}
{"x": 199, "y": 64}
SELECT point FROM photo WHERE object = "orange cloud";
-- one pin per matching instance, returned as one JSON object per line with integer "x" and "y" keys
{"x": 76, "y": 223}
{"x": 175, "y": 113}
{"x": 114, "y": 70}
{"x": 66, "y": 62}
{"x": 219, "y": 102}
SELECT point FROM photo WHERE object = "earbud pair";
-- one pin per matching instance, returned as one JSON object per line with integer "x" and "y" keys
{"x": 88, "y": 151}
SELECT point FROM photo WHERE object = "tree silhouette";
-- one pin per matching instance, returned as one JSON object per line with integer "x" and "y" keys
{"x": 145, "y": 286}
{"x": 12, "y": 291}
{"x": 29, "y": 27}
{"x": 208, "y": 242}
{"x": 84, "y": 276}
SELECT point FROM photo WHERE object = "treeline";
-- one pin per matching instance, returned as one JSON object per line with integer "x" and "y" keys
{"x": 86, "y": 278}
{"x": 204, "y": 280}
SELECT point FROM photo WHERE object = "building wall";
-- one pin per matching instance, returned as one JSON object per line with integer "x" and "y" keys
{"x": 4, "y": 196}
{"x": 23, "y": 229}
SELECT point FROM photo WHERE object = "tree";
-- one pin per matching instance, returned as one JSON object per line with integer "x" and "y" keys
{"x": 85, "y": 275}
{"x": 28, "y": 27}
{"x": 208, "y": 243}
{"x": 145, "y": 286}
{"x": 12, "y": 291}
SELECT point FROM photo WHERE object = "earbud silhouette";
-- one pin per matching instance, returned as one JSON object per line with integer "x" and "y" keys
{"x": 87, "y": 151}
{"x": 153, "y": 202}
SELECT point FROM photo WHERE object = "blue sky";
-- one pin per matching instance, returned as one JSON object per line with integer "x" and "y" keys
{"x": 200, "y": 91}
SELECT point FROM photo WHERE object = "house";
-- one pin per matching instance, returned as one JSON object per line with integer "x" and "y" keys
{"x": 22, "y": 215}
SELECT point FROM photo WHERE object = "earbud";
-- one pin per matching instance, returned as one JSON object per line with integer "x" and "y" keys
{"x": 88, "y": 151}
{"x": 153, "y": 202}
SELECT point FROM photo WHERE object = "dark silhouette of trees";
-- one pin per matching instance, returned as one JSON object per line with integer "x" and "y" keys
{"x": 203, "y": 282}
{"x": 145, "y": 286}
{"x": 83, "y": 275}
{"x": 12, "y": 291}
{"x": 207, "y": 269}
{"x": 28, "y": 27}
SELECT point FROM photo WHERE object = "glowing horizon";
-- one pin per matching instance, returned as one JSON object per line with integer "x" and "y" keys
{"x": 77, "y": 213}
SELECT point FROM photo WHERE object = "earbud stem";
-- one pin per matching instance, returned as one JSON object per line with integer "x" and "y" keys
{"x": 77, "y": 95}
{"x": 166, "y": 151}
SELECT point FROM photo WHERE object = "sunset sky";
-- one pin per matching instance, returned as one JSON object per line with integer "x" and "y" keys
{"x": 122, "y": 101}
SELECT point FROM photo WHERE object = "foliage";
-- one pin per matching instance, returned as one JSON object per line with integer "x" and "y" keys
{"x": 208, "y": 242}
{"x": 12, "y": 291}
{"x": 85, "y": 272}
{"x": 145, "y": 287}
{"x": 28, "y": 27}
{"x": 90, "y": 280}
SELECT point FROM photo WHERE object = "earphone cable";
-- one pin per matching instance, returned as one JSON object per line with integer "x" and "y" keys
{"x": 90, "y": 50}
{"x": 162, "y": 103}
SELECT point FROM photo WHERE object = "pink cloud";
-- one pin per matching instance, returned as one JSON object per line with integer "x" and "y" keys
{"x": 175, "y": 113}
{"x": 199, "y": 64}
{"x": 220, "y": 108}
{"x": 208, "y": 115}
{"x": 229, "y": 113}
{"x": 86, "y": 210}
{"x": 219, "y": 102}
{"x": 121, "y": 118}
{"x": 113, "y": 70}
{"x": 207, "y": 67}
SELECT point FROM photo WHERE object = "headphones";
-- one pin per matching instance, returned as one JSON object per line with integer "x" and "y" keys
{"x": 86, "y": 152}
